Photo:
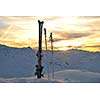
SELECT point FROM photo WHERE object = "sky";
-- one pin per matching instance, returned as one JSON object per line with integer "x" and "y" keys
{"x": 69, "y": 32}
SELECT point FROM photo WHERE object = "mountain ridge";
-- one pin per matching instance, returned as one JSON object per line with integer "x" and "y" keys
{"x": 48, "y": 50}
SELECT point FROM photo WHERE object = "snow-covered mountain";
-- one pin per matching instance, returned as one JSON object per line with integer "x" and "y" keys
{"x": 20, "y": 62}
{"x": 16, "y": 62}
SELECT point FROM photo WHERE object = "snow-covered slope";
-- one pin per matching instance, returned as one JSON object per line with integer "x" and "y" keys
{"x": 16, "y": 62}
{"x": 21, "y": 62}
{"x": 28, "y": 80}
{"x": 75, "y": 59}
{"x": 77, "y": 76}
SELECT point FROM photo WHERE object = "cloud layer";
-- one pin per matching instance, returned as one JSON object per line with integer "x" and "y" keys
{"x": 81, "y": 32}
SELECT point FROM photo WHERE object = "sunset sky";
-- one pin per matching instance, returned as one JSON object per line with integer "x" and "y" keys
{"x": 79, "y": 32}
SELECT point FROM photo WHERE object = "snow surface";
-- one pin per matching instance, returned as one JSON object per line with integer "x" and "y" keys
{"x": 77, "y": 76}
{"x": 18, "y": 65}
{"x": 28, "y": 80}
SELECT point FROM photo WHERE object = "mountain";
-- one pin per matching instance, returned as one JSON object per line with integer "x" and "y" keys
{"x": 20, "y": 62}
{"x": 15, "y": 62}
{"x": 75, "y": 59}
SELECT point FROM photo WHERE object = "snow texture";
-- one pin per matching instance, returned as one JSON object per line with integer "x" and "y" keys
{"x": 69, "y": 66}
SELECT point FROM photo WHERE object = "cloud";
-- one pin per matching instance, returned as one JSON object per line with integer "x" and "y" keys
{"x": 67, "y": 30}
{"x": 89, "y": 17}
{"x": 57, "y": 39}
{"x": 15, "y": 18}
{"x": 17, "y": 43}
{"x": 84, "y": 46}
{"x": 3, "y": 25}
{"x": 69, "y": 36}
{"x": 28, "y": 18}
{"x": 94, "y": 46}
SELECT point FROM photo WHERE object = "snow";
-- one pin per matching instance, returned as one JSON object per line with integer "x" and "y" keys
{"x": 77, "y": 76}
{"x": 18, "y": 65}
{"x": 28, "y": 80}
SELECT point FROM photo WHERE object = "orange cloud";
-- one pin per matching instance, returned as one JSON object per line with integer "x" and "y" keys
{"x": 81, "y": 32}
